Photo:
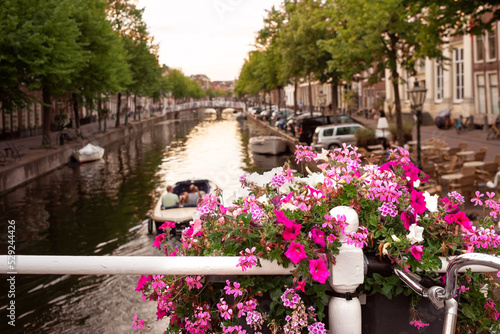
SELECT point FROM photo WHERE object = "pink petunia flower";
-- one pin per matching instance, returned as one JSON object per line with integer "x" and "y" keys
{"x": 158, "y": 240}
{"x": 296, "y": 252}
{"x": 417, "y": 251}
{"x": 408, "y": 219}
{"x": 319, "y": 270}
{"x": 318, "y": 237}
{"x": 281, "y": 218}
{"x": 292, "y": 232}
{"x": 418, "y": 201}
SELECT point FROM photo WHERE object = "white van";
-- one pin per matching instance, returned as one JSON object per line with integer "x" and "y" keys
{"x": 333, "y": 136}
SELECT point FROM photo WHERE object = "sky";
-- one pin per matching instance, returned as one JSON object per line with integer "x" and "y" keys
{"x": 211, "y": 37}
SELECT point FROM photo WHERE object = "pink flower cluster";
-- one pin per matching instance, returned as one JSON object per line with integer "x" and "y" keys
{"x": 491, "y": 310}
{"x": 247, "y": 260}
{"x": 290, "y": 298}
{"x": 358, "y": 239}
{"x": 194, "y": 282}
{"x": 202, "y": 321}
{"x": 304, "y": 153}
{"x": 208, "y": 205}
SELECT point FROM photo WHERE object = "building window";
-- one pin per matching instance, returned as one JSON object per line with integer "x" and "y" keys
{"x": 439, "y": 80}
{"x": 494, "y": 93}
{"x": 459, "y": 73}
{"x": 479, "y": 48}
{"x": 492, "y": 45}
{"x": 481, "y": 94}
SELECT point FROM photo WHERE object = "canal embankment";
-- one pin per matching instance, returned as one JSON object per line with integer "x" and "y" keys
{"x": 273, "y": 131}
{"x": 35, "y": 160}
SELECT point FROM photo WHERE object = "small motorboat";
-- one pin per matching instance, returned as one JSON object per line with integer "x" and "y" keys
{"x": 267, "y": 145}
{"x": 180, "y": 214}
{"x": 88, "y": 153}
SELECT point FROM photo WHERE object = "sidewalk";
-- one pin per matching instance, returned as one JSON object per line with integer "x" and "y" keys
{"x": 475, "y": 138}
{"x": 37, "y": 160}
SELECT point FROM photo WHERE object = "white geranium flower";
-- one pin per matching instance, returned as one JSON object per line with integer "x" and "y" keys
{"x": 322, "y": 155}
{"x": 263, "y": 199}
{"x": 384, "y": 248}
{"x": 313, "y": 179}
{"x": 415, "y": 235}
{"x": 288, "y": 206}
{"x": 431, "y": 201}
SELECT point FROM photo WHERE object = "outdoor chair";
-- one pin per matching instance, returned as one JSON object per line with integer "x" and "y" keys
{"x": 431, "y": 186}
{"x": 446, "y": 167}
{"x": 450, "y": 153}
{"x": 497, "y": 159}
{"x": 464, "y": 185}
{"x": 463, "y": 146}
{"x": 479, "y": 155}
{"x": 486, "y": 173}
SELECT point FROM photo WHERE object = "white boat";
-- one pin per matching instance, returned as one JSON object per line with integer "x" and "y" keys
{"x": 88, "y": 153}
{"x": 267, "y": 145}
{"x": 180, "y": 214}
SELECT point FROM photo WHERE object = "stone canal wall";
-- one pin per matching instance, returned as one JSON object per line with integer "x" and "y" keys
{"x": 38, "y": 162}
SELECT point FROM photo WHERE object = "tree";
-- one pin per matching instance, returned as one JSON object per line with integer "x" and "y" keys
{"x": 43, "y": 51}
{"x": 106, "y": 70}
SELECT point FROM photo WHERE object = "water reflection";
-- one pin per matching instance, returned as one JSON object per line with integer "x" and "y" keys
{"x": 98, "y": 209}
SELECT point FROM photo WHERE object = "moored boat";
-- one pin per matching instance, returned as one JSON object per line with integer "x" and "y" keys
{"x": 180, "y": 214}
{"x": 88, "y": 153}
{"x": 267, "y": 145}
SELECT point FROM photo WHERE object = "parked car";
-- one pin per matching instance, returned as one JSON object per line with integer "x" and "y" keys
{"x": 265, "y": 115}
{"x": 304, "y": 127}
{"x": 333, "y": 136}
{"x": 254, "y": 110}
{"x": 280, "y": 115}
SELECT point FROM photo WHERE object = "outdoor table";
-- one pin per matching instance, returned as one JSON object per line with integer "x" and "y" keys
{"x": 463, "y": 154}
{"x": 473, "y": 164}
{"x": 412, "y": 142}
{"x": 451, "y": 177}
{"x": 445, "y": 149}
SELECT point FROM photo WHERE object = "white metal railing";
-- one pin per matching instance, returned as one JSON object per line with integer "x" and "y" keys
{"x": 134, "y": 265}
{"x": 206, "y": 104}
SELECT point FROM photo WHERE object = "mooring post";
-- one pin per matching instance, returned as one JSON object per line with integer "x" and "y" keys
{"x": 347, "y": 274}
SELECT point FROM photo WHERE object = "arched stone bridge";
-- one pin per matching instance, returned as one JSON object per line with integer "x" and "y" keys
{"x": 184, "y": 108}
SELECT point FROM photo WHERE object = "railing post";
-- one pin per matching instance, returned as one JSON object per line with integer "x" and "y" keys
{"x": 347, "y": 275}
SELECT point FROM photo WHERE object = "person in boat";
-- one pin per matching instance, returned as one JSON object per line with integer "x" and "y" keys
{"x": 169, "y": 199}
{"x": 191, "y": 197}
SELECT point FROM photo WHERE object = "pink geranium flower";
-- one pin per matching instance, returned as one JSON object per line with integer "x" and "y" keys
{"x": 143, "y": 280}
{"x": 417, "y": 251}
{"x": 166, "y": 225}
{"x": 319, "y": 270}
{"x": 296, "y": 252}
{"x": 418, "y": 201}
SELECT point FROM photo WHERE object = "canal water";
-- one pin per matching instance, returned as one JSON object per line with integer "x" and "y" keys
{"x": 100, "y": 209}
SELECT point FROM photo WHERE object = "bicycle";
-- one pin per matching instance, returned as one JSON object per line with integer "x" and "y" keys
{"x": 443, "y": 297}
{"x": 462, "y": 126}
{"x": 493, "y": 132}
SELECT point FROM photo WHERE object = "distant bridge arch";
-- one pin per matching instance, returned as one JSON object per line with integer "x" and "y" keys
{"x": 193, "y": 106}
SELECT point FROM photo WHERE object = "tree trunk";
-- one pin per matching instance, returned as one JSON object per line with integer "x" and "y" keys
{"x": 99, "y": 113}
{"x": 295, "y": 102}
{"x": 395, "y": 85}
{"x": 135, "y": 107}
{"x": 77, "y": 113}
{"x": 335, "y": 99}
{"x": 118, "y": 109}
{"x": 126, "y": 112}
{"x": 310, "y": 93}
{"x": 47, "y": 110}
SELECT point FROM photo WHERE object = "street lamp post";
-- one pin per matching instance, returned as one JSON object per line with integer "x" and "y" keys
{"x": 417, "y": 99}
